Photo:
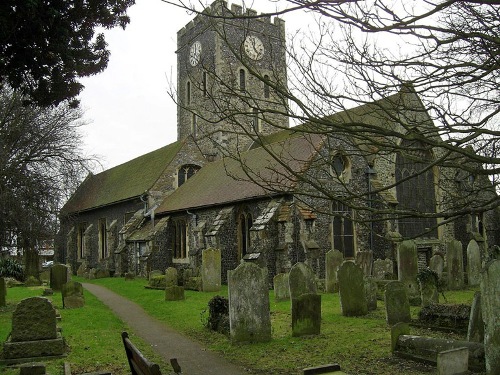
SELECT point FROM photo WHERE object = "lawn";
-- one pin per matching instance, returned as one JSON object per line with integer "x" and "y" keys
{"x": 360, "y": 345}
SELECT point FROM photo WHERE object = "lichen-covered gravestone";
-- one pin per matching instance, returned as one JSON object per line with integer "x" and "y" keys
{"x": 396, "y": 303}
{"x": 34, "y": 332}
{"x": 371, "y": 293}
{"x": 352, "y": 290}
{"x": 281, "y": 287}
{"x": 334, "y": 259}
{"x": 436, "y": 263}
{"x": 211, "y": 270}
{"x": 455, "y": 264}
{"x": 408, "y": 270}
{"x": 473, "y": 264}
{"x": 60, "y": 274}
{"x": 72, "y": 295}
{"x": 249, "y": 312}
{"x": 364, "y": 260}
{"x": 428, "y": 288}
{"x": 174, "y": 293}
{"x": 171, "y": 276}
{"x": 475, "y": 330}
{"x": 490, "y": 306}
{"x": 3, "y": 292}
{"x": 383, "y": 269}
{"x": 302, "y": 280}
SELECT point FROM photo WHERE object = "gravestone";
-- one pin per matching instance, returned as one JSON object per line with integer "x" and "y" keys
{"x": 171, "y": 277}
{"x": 408, "y": 270}
{"x": 249, "y": 312}
{"x": 174, "y": 293}
{"x": 72, "y": 295}
{"x": 453, "y": 361}
{"x": 473, "y": 264}
{"x": 281, "y": 287}
{"x": 364, "y": 260}
{"x": 397, "y": 306}
{"x": 306, "y": 315}
{"x": 34, "y": 332}
{"x": 334, "y": 259}
{"x": 302, "y": 280}
{"x": 475, "y": 330}
{"x": 352, "y": 290}
{"x": 211, "y": 270}
{"x": 371, "y": 293}
{"x": 436, "y": 263}
{"x": 3, "y": 292}
{"x": 60, "y": 274}
{"x": 154, "y": 273}
{"x": 383, "y": 269}
{"x": 455, "y": 264}
{"x": 490, "y": 308}
{"x": 428, "y": 289}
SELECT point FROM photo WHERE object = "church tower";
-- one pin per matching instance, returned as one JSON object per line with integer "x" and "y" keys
{"x": 231, "y": 73}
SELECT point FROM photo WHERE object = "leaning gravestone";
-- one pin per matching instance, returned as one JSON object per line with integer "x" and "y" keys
{"x": 306, "y": 315}
{"x": 171, "y": 277}
{"x": 249, "y": 312}
{"x": 455, "y": 265}
{"x": 383, "y": 269}
{"x": 473, "y": 263}
{"x": 281, "y": 287}
{"x": 3, "y": 292}
{"x": 34, "y": 332}
{"x": 352, "y": 290}
{"x": 211, "y": 270}
{"x": 334, "y": 259}
{"x": 490, "y": 306}
{"x": 408, "y": 270}
{"x": 436, "y": 263}
{"x": 475, "y": 330}
{"x": 59, "y": 275}
{"x": 302, "y": 280}
{"x": 397, "y": 306}
{"x": 72, "y": 295}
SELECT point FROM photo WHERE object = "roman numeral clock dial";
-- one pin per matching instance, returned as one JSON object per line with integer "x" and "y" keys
{"x": 195, "y": 53}
{"x": 254, "y": 48}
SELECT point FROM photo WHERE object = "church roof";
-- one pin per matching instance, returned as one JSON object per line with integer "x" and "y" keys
{"x": 123, "y": 182}
{"x": 250, "y": 175}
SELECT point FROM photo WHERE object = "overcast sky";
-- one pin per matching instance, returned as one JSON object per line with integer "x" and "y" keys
{"x": 127, "y": 107}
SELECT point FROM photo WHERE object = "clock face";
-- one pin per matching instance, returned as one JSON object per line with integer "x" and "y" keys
{"x": 253, "y": 47}
{"x": 195, "y": 53}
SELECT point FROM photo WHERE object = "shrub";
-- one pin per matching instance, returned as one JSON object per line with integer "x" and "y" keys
{"x": 11, "y": 268}
{"x": 218, "y": 315}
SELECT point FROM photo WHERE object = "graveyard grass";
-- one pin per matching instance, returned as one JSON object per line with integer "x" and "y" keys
{"x": 361, "y": 345}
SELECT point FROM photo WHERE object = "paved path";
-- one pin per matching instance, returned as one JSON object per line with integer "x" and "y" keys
{"x": 192, "y": 357}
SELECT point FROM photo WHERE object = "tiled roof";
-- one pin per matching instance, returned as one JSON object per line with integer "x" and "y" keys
{"x": 123, "y": 182}
{"x": 253, "y": 174}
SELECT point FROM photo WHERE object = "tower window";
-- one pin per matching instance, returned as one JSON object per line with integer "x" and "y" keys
{"x": 204, "y": 83}
{"x": 266, "y": 87}
{"x": 194, "y": 125}
{"x": 242, "y": 80}
{"x": 188, "y": 92}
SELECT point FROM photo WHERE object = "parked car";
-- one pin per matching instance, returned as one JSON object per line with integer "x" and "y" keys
{"x": 48, "y": 264}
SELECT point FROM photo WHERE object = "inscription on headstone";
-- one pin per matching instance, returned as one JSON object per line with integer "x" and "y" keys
{"x": 473, "y": 263}
{"x": 352, "y": 290}
{"x": 211, "y": 270}
{"x": 60, "y": 274}
{"x": 408, "y": 269}
{"x": 72, "y": 295}
{"x": 334, "y": 259}
{"x": 397, "y": 306}
{"x": 281, "y": 287}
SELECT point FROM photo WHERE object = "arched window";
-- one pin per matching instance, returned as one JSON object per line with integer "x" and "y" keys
{"x": 245, "y": 222}
{"x": 343, "y": 228}
{"x": 415, "y": 189}
{"x": 179, "y": 239}
{"x": 340, "y": 166}
{"x": 185, "y": 172}
{"x": 266, "y": 87}
{"x": 243, "y": 82}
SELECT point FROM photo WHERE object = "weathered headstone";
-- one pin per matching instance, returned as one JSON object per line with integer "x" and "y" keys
{"x": 211, "y": 270}
{"x": 3, "y": 292}
{"x": 171, "y": 277}
{"x": 453, "y": 361}
{"x": 352, "y": 290}
{"x": 72, "y": 295}
{"x": 34, "y": 332}
{"x": 475, "y": 330}
{"x": 302, "y": 280}
{"x": 154, "y": 273}
{"x": 473, "y": 264}
{"x": 364, "y": 260}
{"x": 383, "y": 269}
{"x": 490, "y": 308}
{"x": 408, "y": 270}
{"x": 428, "y": 288}
{"x": 371, "y": 293}
{"x": 281, "y": 287}
{"x": 174, "y": 293}
{"x": 397, "y": 306}
{"x": 249, "y": 312}
{"x": 455, "y": 264}
{"x": 334, "y": 259}
{"x": 59, "y": 275}
{"x": 306, "y": 315}
{"x": 436, "y": 263}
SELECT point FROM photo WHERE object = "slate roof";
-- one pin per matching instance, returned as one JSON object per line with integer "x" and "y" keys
{"x": 123, "y": 182}
{"x": 257, "y": 174}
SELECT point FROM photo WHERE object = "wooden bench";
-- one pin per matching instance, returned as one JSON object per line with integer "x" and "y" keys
{"x": 140, "y": 365}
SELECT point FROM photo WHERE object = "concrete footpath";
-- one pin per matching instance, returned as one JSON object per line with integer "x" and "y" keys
{"x": 192, "y": 357}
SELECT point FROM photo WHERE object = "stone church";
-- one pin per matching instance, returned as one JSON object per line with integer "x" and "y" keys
{"x": 257, "y": 189}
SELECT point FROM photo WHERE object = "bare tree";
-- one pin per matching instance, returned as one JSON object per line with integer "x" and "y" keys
{"x": 41, "y": 164}
{"x": 348, "y": 75}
